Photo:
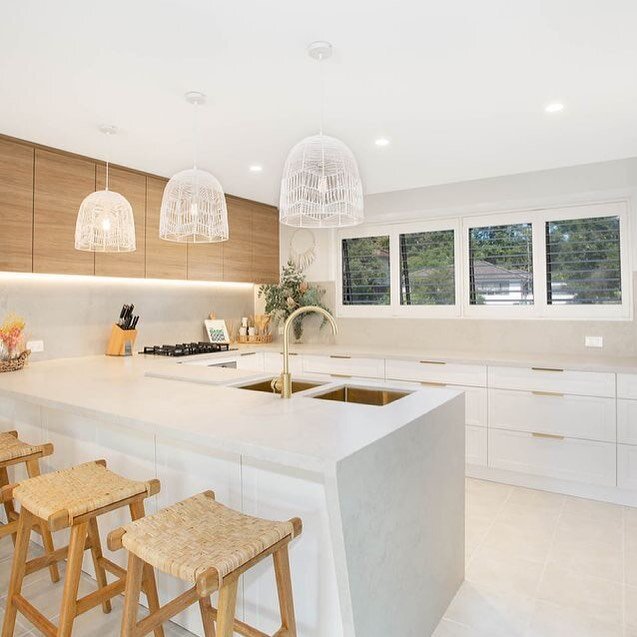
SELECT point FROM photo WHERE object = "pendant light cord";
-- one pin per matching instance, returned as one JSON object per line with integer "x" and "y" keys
{"x": 108, "y": 155}
{"x": 322, "y": 83}
{"x": 195, "y": 130}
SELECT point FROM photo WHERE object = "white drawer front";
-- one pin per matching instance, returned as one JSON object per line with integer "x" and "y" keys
{"x": 627, "y": 466}
{"x": 568, "y": 415}
{"x": 627, "y": 386}
{"x": 345, "y": 366}
{"x": 476, "y": 445}
{"x": 564, "y": 459}
{"x": 627, "y": 421}
{"x": 251, "y": 360}
{"x": 273, "y": 362}
{"x": 437, "y": 372}
{"x": 549, "y": 379}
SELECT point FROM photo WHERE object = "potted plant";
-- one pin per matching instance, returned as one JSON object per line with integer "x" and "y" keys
{"x": 293, "y": 291}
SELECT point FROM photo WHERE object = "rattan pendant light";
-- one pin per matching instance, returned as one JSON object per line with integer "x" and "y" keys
{"x": 193, "y": 208}
{"x": 321, "y": 186}
{"x": 105, "y": 221}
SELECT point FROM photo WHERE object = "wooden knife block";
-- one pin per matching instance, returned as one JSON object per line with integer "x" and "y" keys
{"x": 121, "y": 342}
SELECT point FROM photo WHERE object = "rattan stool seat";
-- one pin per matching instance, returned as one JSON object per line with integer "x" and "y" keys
{"x": 190, "y": 537}
{"x": 70, "y": 493}
{"x": 11, "y": 447}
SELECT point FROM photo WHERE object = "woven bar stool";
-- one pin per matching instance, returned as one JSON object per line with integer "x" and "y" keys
{"x": 73, "y": 498}
{"x": 209, "y": 546}
{"x": 13, "y": 452}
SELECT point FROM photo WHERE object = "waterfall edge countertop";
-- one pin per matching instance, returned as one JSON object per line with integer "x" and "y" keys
{"x": 302, "y": 432}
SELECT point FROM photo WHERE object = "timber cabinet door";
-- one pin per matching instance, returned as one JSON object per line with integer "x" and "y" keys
{"x": 61, "y": 184}
{"x": 16, "y": 207}
{"x": 237, "y": 251}
{"x": 132, "y": 186}
{"x": 265, "y": 243}
{"x": 164, "y": 259}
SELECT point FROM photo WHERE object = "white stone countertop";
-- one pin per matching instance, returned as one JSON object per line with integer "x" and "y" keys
{"x": 593, "y": 361}
{"x": 302, "y": 432}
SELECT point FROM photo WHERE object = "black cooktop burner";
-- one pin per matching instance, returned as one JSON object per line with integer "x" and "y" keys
{"x": 186, "y": 349}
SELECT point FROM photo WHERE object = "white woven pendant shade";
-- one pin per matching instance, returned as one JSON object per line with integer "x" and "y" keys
{"x": 321, "y": 187}
{"x": 105, "y": 223}
{"x": 193, "y": 209}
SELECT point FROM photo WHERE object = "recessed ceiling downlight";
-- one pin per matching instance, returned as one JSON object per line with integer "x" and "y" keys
{"x": 256, "y": 168}
{"x": 554, "y": 107}
{"x": 382, "y": 141}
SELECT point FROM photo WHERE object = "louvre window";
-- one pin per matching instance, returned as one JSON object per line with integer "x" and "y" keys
{"x": 427, "y": 268}
{"x": 501, "y": 265}
{"x": 366, "y": 271}
{"x": 583, "y": 263}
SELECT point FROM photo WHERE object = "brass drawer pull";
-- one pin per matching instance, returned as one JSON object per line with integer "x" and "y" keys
{"x": 537, "y": 434}
{"x": 429, "y": 383}
{"x": 546, "y": 369}
{"x": 291, "y": 353}
{"x": 556, "y": 394}
{"x": 341, "y": 375}
{"x": 340, "y": 356}
{"x": 248, "y": 354}
{"x": 433, "y": 362}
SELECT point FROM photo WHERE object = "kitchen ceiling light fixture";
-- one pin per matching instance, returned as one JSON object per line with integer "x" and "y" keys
{"x": 193, "y": 207}
{"x": 255, "y": 168}
{"x": 554, "y": 107}
{"x": 321, "y": 186}
{"x": 105, "y": 221}
{"x": 382, "y": 141}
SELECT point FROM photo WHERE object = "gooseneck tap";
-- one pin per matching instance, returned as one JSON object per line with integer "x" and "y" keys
{"x": 283, "y": 383}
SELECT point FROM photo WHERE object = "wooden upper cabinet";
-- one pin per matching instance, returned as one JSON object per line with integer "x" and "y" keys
{"x": 265, "y": 243}
{"x": 61, "y": 184}
{"x": 164, "y": 259}
{"x": 237, "y": 251}
{"x": 132, "y": 186}
{"x": 16, "y": 207}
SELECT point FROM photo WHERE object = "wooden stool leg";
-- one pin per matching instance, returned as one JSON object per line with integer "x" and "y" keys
{"x": 131, "y": 595}
{"x": 33, "y": 470}
{"x": 96, "y": 554}
{"x": 68, "y": 610}
{"x": 8, "y": 506}
{"x": 284, "y": 589}
{"x": 226, "y": 609}
{"x": 207, "y": 617}
{"x": 149, "y": 585}
{"x": 25, "y": 524}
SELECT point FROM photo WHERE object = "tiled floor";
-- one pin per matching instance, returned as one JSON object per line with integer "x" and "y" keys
{"x": 538, "y": 565}
{"x": 545, "y": 565}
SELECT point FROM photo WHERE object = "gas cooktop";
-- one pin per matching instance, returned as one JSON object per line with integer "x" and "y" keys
{"x": 186, "y": 349}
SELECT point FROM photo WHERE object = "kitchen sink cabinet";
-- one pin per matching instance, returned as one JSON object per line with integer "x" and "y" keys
{"x": 16, "y": 206}
{"x": 132, "y": 186}
{"x": 61, "y": 184}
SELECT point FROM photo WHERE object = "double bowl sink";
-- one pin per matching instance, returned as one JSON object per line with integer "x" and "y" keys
{"x": 343, "y": 394}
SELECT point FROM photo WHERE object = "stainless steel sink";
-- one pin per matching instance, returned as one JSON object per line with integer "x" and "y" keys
{"x": 266, "y": 386}
{"x": 362, "y": 395}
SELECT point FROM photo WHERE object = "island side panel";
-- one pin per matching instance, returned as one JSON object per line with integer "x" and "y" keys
{"x": 279, "y": 493}
{"x": 402, "y": 503}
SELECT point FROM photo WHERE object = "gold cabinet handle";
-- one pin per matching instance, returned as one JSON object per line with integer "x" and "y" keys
{"x": 555, "y": 394}
{"x": 291, "y": 353}
{"x": 537, "y": 434}
{"x": 546, "y": 369}
{"x": 340, "y": 356}
{"x": 429, "y": 383}
{"x": 433, "y": 362}
{"x": 248, "y": 354}
{"x": 341, "y": 375}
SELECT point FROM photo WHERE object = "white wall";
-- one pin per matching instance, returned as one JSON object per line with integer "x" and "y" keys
{"x": 549, "y": 188}
{"x": 73, "y": 315}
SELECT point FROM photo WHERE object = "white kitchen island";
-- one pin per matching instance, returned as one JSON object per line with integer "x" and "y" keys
{"x": 380, "y": 490}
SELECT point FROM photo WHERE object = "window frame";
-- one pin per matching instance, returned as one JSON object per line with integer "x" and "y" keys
{"x": 541, "y": 309}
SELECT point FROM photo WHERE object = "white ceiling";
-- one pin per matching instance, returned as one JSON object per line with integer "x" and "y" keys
{"x": 459, "y": 86}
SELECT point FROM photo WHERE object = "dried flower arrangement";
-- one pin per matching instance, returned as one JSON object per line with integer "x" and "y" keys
{"x": 13, "y": 352}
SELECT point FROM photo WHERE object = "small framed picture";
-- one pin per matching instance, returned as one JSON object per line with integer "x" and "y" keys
{"x": 217, "y": 331}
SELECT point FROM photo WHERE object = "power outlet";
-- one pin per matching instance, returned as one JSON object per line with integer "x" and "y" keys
{"x": 594, "y": 341}
{"x": 35, "y": 346}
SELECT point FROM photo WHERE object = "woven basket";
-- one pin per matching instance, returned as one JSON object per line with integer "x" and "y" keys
{"x": 14, "y": 364}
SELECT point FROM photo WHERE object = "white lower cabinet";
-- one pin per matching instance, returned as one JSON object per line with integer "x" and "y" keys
{"x": 476, "y": 445}
{"x": 588, "y": 417}
{"x": 627, "y": 466}
{"x": 341, "y": 365}
{"x": 436, "y": 371}
{"x": 586, "y": 461}
{"x": 273, "y": 362}
{"x": 251, "y": 361}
